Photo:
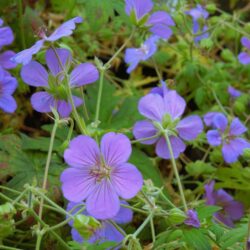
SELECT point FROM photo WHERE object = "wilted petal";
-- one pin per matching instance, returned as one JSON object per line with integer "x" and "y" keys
{"x": 83, "y": 151}
{"x": 145, "y": 129}
{"x": 25, "y": 56}
{"x": 245, "y": 42}
{"x": 177, "y": 146}
{"x": 192, "y": 219}
{"x": 66, "y": 29}
{"x": 125, "y": 215}
{"x": 5, "y": 61}
{"x": 237, "y": 127}
{"x": 190, "y": 127}
{"x": 6, "y": 36}
{"x": 152, "y": 107}
{"x": 116, "y": 148}
{"x": 232, "y": 150}
{"x": 220, "y": 122}
{"x": 34, "y": 74}
{"x": 244, "y": 58}
{"x": 58, "y": 60}
{"x": 83, "y": 74}
{"x": 214, "y": 137}
{"x": 174, "y": 104}
{"x": 77, "y": 184}
{"x": 103, "y": 202}
{"x": 126, "y": 180}
{"x": 141, "y": 7}
{"x": 42, "y": 102}
{"x": 7, "y": 103}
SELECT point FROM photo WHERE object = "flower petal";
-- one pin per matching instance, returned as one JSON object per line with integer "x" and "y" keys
{"x": 237, "y": 127}
{"x": 115, "y": 148}
{"x": 222, "y": 217}
{"x": 220, "y": 122}
{"x": 42, "y": 102}
{"x": 214, "y": 137}
{"x": 76, "y": 236}
{"x": 174, "y": 104}
{"x": 125, "y": 215}
{"x": 161, "y": 30}
{"x": 5, "y": 61}
{"x": 235, "y": 210}
{"x": 56, "y": 59}
{"x": 8, "y": 103}
{"x": 145, "y": 129}
{"x": 8, "y": 85}
{"x": 209, "y": 117}
{"x": 25, "y": 56}
{"x": 77, "y": 183}
{"x": 103, "y": 202}
{"x": 6, "y": 36}
{"x": 66, "y": 29}
{"x": 63, "y": 107}
{"x": 141, "y": 7}
{"x": 177, "y": 146}
{"x": 83, "y": 151}
{"x": 132, "y": 57}
{"x": 83, "y": 74}
{"x": 109, "y": 233}
{"x": 126, "y": 180}
{"x": 190, "y": 127}
{"x": 244, "y": 58}
{"x": 160, "y": 17}
{"x": 245, "y": 42}
{"x": 152, "y": 107}
{"x": 209, "y": 193}
{"x": 34, "y": 74}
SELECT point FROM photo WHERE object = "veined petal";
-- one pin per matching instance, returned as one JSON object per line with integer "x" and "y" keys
{"x": 152, "y": 107}
{"x": 77, "y": 184}
{"x": 214, "y": 137}
{"x": 161, "y": 30}
{"x": 66, "y": 29}
{"x": 126, "y": 180}
{"x": 34, "y": 74}
{"x": 237, "y": 127}
{"x": 83, "y": 74}
{"x": 42, "y": 102}
{"x": 5, "y": 61}
{"x": 132, "y": 57}
{"x": 244, "y": 58}
{"x": 209, "y": 117}
{"x": 141, "y": 7}
{"x": 58, "y": 60}
{"x": 160, "y": 17}
{"x": 83, "y": 152}
{"x": 145, "y": 129}
{"x": 174, "y": 104}
{"x": 103, "y": 202}
{"x": 115, "y": 148}
{"x": 190, "y": 127}
{"x": 63, "y": 107}
{"x": 177, "y": 146}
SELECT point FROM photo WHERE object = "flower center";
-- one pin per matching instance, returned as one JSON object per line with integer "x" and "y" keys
{"x": 145, "y": 49}
{"x": 101, "y": 171}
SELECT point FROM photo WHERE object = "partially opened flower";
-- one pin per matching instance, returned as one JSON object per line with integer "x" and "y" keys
{"x": 54, "y": 82}
{"x": 192, "y": 219}
{"x": 163, "y": 115}
{"x": 228, "y": 136}
{"x": 233, "y": 92}
{"x": 199, "y": 15}
{"x": 100, "y": 176}
{"x": 8, "y": 85}
{"x": 231, "y": 210}
{"x": 66, "y": 29}
{"x": 158, "y": 22}
{"x": 244, "y": 57}
{"x": 106, "y": 232}
{"x": 134, "y": 55}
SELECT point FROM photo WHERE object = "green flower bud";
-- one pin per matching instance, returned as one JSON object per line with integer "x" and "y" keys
{"x": 176, "y": 216}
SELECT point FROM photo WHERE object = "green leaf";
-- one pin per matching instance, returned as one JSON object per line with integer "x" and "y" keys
{"x": 207, "y": 211}
{"x": 198, "y": 168}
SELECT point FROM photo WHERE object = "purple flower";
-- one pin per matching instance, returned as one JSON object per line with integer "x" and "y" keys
{"x": 107, "y": 232}
{"x": 192, "y": 219}
{"x": 199, "y": 15}
{"x": 231, "y": 210}
{"x": 163, "y": 115}
{"x": 34, "y": 74}
{"x": 6, "y": 35}
{"x": 66, "y": 29}
{"x": 208, "y": 118}
{"x": 100, "y": 176}
{"x": 228, "y": 136}
{"x": 160, "y": 90}
{"x": 234, "y": 93}
{"x": 158, "y": 22}
{"x": 8, "y": 85}
{"x": 244, "y": 57}
{"x": 134, "y": 55}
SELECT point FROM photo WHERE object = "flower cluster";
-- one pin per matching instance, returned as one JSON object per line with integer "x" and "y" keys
{"x": 163, "y": 113}
{"x": 227, "y": 135}
{"x": 55, "y": 82}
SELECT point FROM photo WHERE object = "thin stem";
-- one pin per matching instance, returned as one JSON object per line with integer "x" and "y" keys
{"x": 145, "y": 139}
{"x": 176, "y": 172}
{"x": 20, "y": 13}
{"x": 39, "y": 240}
{"x": 152, "y": 229}
{"x": 167, "y": 200}
{"x": 9, "y": 248}
{"x": 135, "y": 209}
{"x": 117, "y": 227}
{"x": 141, "y": 227}
{"x": 157, "y": 69}
{"x": 218, "y": 102}
{"x": 85, "y": 111}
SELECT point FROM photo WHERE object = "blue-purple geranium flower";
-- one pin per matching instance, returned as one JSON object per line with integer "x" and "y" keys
{"x": 228, "y": 136}
{"x": 158, "y": 23}
{"x": 244, "y": 57}
{"x": 163, "y": 113}
{"x": 199, "y": 15}
{"x": 192, "y": 219}
{"x": 134, "y": 55}
{"x": 55, "y": 96}
{"x": 233, "y": 92}
{"x": 106, "y": 232}
{"x": 8, "y": 85}
{"x": 231, "y": 210}
{"x": 100, "y": 176}
{"x": 66, "y": 29}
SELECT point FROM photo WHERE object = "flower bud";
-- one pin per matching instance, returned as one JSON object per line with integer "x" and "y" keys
{"x": 176, "y": 216}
